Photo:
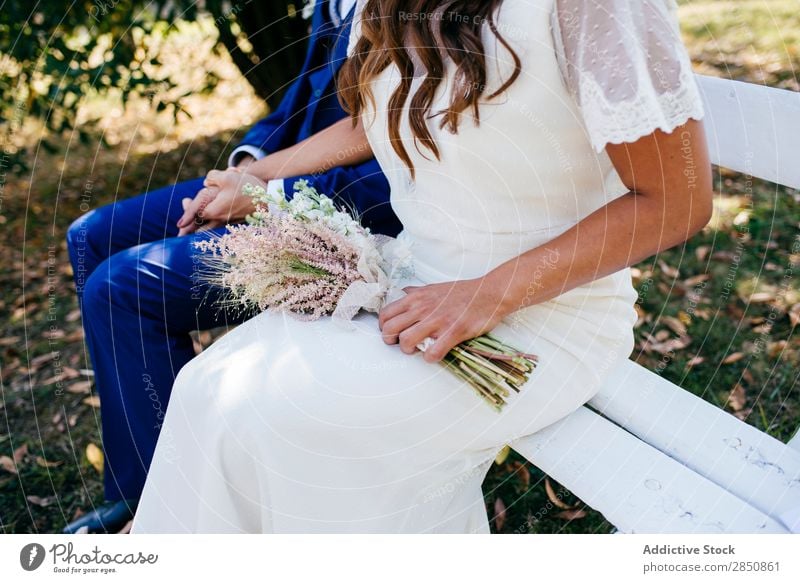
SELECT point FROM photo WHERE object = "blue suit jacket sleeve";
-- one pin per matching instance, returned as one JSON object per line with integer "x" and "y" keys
{"x": 280, "y": 128}
{"x": 362, "y": 189}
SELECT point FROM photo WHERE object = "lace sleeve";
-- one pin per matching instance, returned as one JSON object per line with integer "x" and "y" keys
{"x": 626, "y": 66}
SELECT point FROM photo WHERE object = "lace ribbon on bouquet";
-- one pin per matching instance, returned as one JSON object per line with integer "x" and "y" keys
{"x": 382, "y": 266}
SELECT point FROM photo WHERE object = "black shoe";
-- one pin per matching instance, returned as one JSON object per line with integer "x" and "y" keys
{"x": 106, "y": 518}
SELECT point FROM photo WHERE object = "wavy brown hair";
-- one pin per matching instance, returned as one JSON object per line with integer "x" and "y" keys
{"x": 435, "y": 31}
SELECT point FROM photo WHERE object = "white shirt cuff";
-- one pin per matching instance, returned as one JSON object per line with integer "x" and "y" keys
{"x": 256, "y": 153}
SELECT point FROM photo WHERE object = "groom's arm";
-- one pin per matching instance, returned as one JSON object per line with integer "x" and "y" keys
{"x": 337, "y": 161}
{"x": 274, "y": 132}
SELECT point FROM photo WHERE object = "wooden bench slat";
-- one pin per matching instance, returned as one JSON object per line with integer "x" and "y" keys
{"x": 753, "y": 128}
{"x": 754, "y": 466}
{"x": 636, "y": 487}
{"x": 794, "y": 442}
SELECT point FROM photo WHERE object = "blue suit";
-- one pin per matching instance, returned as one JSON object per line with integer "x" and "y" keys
{"x": 137, "y": 282}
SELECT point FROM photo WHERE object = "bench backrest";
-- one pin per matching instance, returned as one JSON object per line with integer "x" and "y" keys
{"x": 753, "y": 129}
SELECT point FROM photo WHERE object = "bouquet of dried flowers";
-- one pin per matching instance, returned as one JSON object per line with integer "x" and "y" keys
{"x": 306, "y": 257}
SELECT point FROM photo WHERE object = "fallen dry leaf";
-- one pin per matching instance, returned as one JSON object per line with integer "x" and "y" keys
{"x": 794, "y": 315}
{"x": 42, "y": 359}
{"x": 760, "y": 297}
{"x": 775, "y": 349}
{"x": 733, "y": 357}
{"x": 763, "y": 328}
{"x": 668, "y": 270}
{"x": 8, "y": 464}
{"x": 20, "y": 452}
{"x": 522, "y": 471}
{"x": 670, "y": 345}
{"x": 661, "y": 335}
{"x": 696, "y": 279}
{"x": 723, "y": 255}
{"x": 80, "y": 387}
{"x": 70, "y": 373}
{"x": 737, "y": 398}
{"x": 74, "y": 336}
{"x": 93, "y": 401}
{"x": 499, "y": 514}
{"x": 671, "y": 290}
{"x": 702, "y": 252}
{"x": 39, "y": 501}
{"x": 574, "y": 514}
{"x": 674, "y": 324}
{"x": 502, "y": 455}
{"x": 695, "y": 360}
{"x": 95, "y": 456}
{"x": 40, "y": 461}
{"x": 735, "y": 311}
{"x": 703, "y": 313}
{"x": 551, "y": 495}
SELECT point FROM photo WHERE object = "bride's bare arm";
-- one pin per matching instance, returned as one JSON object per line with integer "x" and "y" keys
{"x": 670, "y": 199}
{"x": 340, "y": 144}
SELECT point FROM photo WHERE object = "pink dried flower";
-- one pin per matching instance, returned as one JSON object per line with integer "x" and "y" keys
{"x": 283, "y": 264}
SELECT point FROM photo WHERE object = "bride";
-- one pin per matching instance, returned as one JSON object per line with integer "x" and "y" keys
{"x": 535, "y": 150}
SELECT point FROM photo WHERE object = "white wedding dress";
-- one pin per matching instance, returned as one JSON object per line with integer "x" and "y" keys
{"x": 290, "y": 426}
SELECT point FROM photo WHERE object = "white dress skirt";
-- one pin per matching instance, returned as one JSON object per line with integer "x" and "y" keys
{"x": 290, "y": 426}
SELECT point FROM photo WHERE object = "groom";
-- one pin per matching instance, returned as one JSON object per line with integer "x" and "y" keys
{"x": 137, "y": 279}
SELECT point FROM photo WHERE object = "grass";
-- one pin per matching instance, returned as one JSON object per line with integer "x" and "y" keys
{"x": 742, "y": 353}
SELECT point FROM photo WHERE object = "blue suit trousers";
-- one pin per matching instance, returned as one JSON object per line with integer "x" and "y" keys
{"x": 140, "y": 296}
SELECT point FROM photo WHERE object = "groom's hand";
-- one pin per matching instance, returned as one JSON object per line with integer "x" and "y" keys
{"x": 219, "y": 202}
{"x": 192, "y": 218}
{"x": 449, "y": 313}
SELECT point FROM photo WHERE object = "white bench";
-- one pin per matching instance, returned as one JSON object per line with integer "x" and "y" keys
{"x": 649, "y": 455}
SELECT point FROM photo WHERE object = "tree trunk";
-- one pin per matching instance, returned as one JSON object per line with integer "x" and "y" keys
{"x": 277, "y": 36}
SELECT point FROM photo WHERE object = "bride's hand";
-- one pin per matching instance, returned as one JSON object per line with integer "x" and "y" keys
{"x": 447, "y": 312}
